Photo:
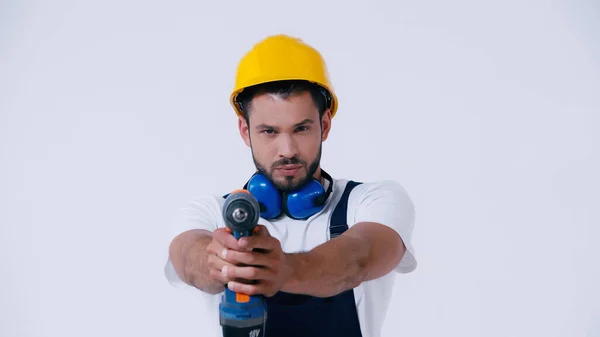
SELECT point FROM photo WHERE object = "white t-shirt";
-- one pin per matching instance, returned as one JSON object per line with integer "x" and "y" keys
{"x": 384, "y": 202}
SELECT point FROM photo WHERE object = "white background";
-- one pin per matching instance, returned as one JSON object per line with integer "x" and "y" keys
{"x": 114, "y": 113}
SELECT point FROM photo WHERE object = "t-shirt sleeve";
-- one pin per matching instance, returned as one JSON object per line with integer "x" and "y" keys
{"x": 202, "y": 212}
{"x": 387, "y": 203}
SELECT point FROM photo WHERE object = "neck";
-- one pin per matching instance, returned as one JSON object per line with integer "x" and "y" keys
{"x": 318, "y": 176}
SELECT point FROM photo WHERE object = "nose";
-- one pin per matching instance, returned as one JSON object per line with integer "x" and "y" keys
{"x": 287, "y": 146}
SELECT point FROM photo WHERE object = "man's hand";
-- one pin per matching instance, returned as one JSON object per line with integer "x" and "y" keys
{"x": 251, "y": 265}
{"x": 221, "y": 241}
{"x": 189, "y": 255}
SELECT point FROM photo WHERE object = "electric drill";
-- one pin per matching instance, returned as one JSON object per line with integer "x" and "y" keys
{"x": 241, "y": 315}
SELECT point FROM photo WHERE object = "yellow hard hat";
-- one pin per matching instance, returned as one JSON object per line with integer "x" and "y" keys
{"x": 282, "y": 57}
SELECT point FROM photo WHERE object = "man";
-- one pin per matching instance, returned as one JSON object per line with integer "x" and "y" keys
{"x": 326, "y": 266}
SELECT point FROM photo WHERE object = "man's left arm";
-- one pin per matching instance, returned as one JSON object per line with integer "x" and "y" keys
{"x": 376, "y": 244}
{"x": 364, "y": 252}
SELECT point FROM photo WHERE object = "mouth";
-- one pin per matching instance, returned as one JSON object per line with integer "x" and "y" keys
{"x": 288, "y": 170}
{"x": 288, "y": 167}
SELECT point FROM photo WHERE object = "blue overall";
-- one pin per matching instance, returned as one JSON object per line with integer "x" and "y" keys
{"x": 293, "y": 315}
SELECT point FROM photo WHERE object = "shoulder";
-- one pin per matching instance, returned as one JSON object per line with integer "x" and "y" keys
{"x": 388, "y": 203}
{"x": 382, "y": 186}
{"x": 388, "y": 192}
{"x": 384, "y": 200}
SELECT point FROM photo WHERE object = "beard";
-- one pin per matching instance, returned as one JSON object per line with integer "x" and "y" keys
{"x": 288, "y": 184}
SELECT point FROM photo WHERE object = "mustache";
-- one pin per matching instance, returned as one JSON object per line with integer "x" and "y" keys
{"x": 288, "y": 161}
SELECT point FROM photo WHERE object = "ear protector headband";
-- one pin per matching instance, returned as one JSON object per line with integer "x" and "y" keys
{"x": 298, "y": 204}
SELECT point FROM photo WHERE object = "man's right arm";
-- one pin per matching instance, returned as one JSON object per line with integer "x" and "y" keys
{"x": 190, "y": 258}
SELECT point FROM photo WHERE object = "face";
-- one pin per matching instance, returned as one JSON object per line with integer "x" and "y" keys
{"x": 285, "y": 136}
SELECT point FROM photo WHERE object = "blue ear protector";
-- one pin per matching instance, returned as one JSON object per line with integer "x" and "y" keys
{"x": 299, "y": 204}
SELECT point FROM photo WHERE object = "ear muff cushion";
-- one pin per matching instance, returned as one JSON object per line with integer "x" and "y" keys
{"x": 267, "y": 195}
{"x": 304, "y": 202}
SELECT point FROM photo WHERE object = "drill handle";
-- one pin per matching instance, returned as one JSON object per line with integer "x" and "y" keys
{"x": 240, "y": 234}
{"x": 241, "y": 300}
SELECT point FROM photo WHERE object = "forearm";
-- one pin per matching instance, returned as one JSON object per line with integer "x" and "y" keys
{"x": 328, "y": 269}
{"x": 365, "y": 252}
{"x": 190, "y": 260}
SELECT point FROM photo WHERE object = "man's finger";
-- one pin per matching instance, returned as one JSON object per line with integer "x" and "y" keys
{"x": 241, "y": 288}
{"x": 262, "y": 230}
{"x": 265, "y": 243}
{"x": 216, "y": 262}
{"x": 247, "y": 273}
{"x": 245, "y": 258}
{"x": 218, "y": 276}
{"x": 226, "y": 239}
{"x": 251, "y": 289}
{"x": 218, "y": 270}
{"x": 214, "y": 247}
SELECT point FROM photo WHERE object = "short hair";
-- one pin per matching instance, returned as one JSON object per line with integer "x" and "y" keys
{"x": 285, "y": 88}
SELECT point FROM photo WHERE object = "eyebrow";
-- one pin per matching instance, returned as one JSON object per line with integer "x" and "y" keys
{"x": 306, "y": 121}
{"x": 265, "y": 126}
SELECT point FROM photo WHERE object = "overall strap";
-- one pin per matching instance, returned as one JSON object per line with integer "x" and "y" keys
{"x": 299, "y": 315}
{"x": 339, "y": 223}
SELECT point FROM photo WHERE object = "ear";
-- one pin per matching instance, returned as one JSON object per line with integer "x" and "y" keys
{"x": 244, "y": 130}
{"x": 326, "y": 124}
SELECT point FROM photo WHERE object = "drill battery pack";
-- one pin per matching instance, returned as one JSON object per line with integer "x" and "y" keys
{"x": 242, "y": 315}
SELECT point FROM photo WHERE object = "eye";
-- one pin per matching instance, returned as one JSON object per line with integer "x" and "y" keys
{"x": 269, "y": 132}
{"x": 302, "y": 128}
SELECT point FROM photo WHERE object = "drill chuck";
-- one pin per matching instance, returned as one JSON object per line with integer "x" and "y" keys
{"x": 241, "y": 212}
{"x": 239, "y": 215}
